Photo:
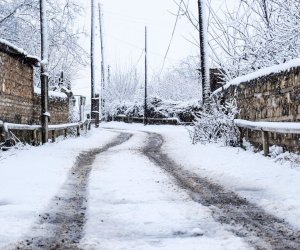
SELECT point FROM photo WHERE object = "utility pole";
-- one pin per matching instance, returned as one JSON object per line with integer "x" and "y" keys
{"x": 108, "y": 75}
{"x": 94, "y": 100}
{"x": 44, "y": 71}
{"x": 146, "y": 80}
{"x": 204, "y": 67}
{"x": 102, "y": 103}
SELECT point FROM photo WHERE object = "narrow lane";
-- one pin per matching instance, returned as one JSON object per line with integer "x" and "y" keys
{"x": 134, "y": 205}
{"x": 61, "y": 226}
{"x": 130, "y": 195}
{"x": 259, "y": 228}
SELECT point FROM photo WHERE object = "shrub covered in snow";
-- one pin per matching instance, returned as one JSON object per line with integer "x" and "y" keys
{"x": 157, "y": 108}
{"x": 215, "y": 124}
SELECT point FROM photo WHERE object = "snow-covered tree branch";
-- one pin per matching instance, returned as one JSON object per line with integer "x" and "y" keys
{"x": 19, "y": 21}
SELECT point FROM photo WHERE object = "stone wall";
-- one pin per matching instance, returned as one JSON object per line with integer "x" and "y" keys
{"x": 58, "y": 108}
{"x": 18, "y": 102}
{"x": 274, "y": 97}
{"x": 16, "y": 90}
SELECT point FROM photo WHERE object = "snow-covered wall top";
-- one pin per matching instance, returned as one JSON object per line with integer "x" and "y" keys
{"x": 7, "y": 46}
{"x": 260, "y": 73}
{"x": 269, "y": 95}
{"x": 52, "y": 94}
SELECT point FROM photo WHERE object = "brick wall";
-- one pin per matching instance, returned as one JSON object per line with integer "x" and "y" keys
{"x": 275, "y": 97}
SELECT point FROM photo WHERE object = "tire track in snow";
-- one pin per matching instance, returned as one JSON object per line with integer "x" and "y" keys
{"x": 61, "y": 227}
{"x": 260, "y": 229}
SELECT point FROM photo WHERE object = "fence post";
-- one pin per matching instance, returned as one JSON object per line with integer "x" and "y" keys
{"x": 242, "y": 135}
{"x": 65, "y": 132}
{"x": 35, "y": 141}
{"x": 265, "y": 140}
{"x": 78, "y": 130}
{"x": 53, "y": 135}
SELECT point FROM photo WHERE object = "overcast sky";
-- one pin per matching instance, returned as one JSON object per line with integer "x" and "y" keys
{"x": 124, "y": 23}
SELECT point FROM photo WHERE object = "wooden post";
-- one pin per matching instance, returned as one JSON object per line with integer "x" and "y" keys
{"x": 39, "y": 136}
{"x": 241, "y": 137}
{"x": 265, "y": 140}
{"x": 35, "y": 140}
{"x": 65, "y": 132}
{"x": 53, "y": 135}
{"x": 78, "y": 130}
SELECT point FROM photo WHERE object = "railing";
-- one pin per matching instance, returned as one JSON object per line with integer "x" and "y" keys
{"x": 52, "y": 128}
{"x": 265, "y": 127}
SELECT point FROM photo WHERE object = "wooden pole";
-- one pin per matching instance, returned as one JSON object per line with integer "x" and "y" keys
{"x": 103, "y": 79}
{"x": 94, "y": 100}
{"x": 146, "y": 80}
{"x": 108, "y": 75}
{"x": 44, "y": 71}
{"x": 204, "y": 68}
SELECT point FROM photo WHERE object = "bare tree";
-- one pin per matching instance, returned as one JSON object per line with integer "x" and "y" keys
{"x": 19, "y": 24}
{"x": 178, "y": 83}
{"x": 123, "y": 88}
{"x": 256, "y": 34}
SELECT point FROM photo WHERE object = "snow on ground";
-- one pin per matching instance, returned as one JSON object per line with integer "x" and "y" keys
{"x": 29, "y": 178}
{"x": 273, "y": 186}
{"x": 132, "y": 204}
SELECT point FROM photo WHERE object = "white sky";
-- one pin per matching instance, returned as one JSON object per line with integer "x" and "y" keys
{"x": 124, "y": 24}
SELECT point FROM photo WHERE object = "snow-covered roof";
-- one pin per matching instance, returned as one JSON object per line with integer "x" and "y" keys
{"x": 260, "y": 73}
{"x": 12, "y": 49}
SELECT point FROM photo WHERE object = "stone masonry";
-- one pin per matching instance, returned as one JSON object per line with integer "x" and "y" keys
{"x": 275, "y": 97}
{"x": 18, "y": 102}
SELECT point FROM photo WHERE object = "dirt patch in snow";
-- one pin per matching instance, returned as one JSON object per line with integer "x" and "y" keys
{"x": 61, "y": 226}
{"x": 260, "y": 229}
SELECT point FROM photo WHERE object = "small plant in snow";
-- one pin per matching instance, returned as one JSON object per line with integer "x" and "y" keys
{"x": 280, "y": 156}
{"x": 215, "y": 124}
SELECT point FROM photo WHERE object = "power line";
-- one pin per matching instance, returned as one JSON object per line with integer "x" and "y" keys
{"x": 139, "y": 59}
{"x": 139, "y": 47}
{"x": 135, "y": 65}
{"x": 132, "y": 19}
{"x": 172, "y": 36}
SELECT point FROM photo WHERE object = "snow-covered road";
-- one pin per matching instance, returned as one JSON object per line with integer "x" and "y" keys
{"x": 135, "y": 187}
{"x": 133, "y": 204}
